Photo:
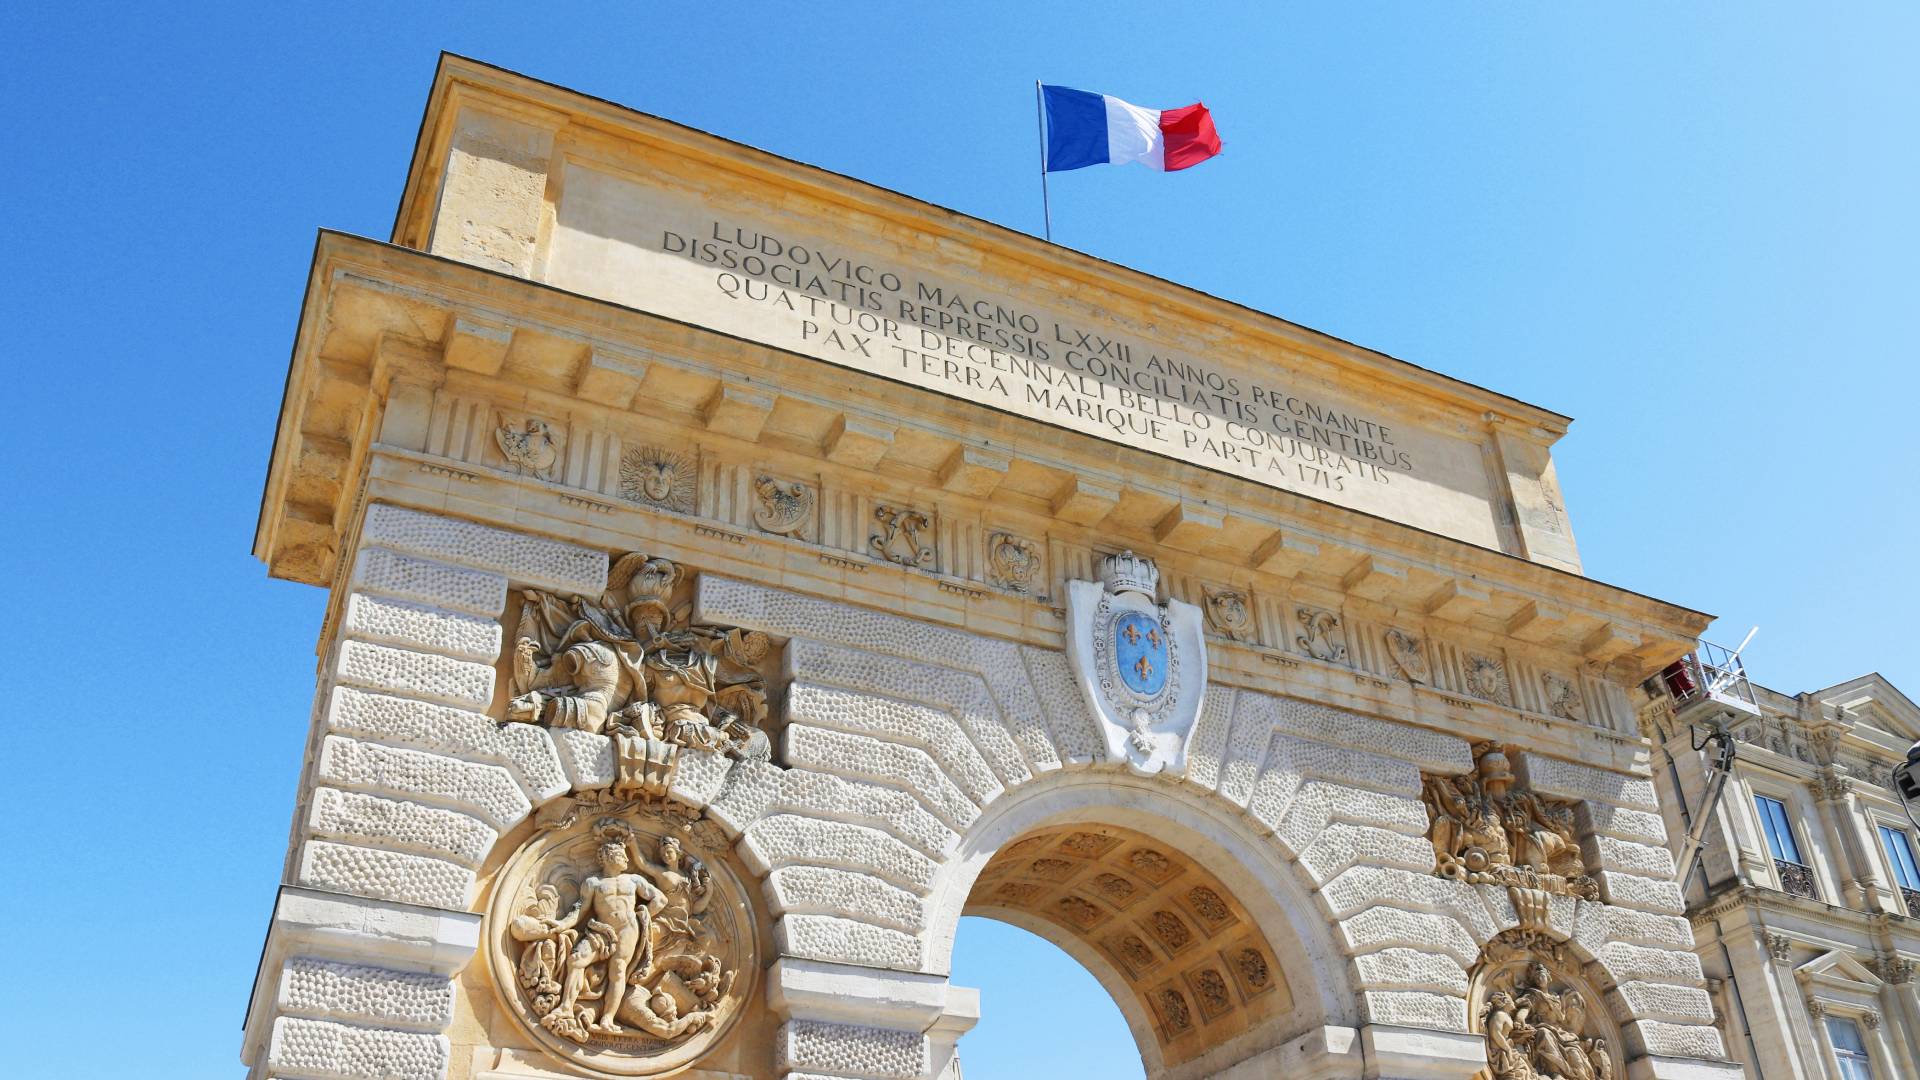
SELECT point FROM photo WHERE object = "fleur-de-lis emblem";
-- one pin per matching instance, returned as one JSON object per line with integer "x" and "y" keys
{"x": 1153, "y": 637}
{"x": 1144, "y": 666}
{"x": 1133, "y": 635}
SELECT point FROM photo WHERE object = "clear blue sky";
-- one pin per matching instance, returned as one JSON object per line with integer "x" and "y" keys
{"x": 1692, "y": 227}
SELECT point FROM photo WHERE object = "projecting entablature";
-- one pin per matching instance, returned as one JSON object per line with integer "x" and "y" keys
{"x": 410, "y": 384}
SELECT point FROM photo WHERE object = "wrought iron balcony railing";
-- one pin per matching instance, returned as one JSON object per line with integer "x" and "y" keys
{"x": 1796, "y": 879}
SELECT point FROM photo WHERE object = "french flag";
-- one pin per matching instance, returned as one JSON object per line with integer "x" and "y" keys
{"x": 1098, "y": 129}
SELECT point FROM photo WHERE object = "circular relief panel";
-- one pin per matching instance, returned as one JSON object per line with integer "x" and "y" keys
{"x": 620, "y": 951}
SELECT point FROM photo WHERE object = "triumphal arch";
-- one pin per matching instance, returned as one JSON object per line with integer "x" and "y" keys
{"x": 739, "y": 572}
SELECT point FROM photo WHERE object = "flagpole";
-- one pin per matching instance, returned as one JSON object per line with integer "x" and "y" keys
{"x": 1040, "y": 124}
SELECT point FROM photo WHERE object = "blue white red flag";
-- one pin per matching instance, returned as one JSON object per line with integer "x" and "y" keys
{"x": 1085, "y": 129}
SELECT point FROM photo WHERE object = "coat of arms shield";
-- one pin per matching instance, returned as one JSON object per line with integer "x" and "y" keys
{"x": 1141, "y": 665}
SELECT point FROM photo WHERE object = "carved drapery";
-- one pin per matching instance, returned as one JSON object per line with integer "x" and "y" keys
{"x": 617, "y": 936}
{"x": 1542, "y": 1020}
{"x": 632, "y": 666}
{"x": 1486, "y": 830}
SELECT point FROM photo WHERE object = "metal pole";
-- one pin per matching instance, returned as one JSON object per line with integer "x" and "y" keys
{"x": 1040, "y": 123}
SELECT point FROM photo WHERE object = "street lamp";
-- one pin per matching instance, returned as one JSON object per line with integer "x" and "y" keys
{"x": 1906, "y": 783}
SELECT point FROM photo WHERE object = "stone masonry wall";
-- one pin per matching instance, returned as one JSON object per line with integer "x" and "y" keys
{"x": 898, "y": 734}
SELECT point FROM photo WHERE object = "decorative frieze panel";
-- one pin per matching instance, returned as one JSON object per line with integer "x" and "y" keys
{"x": 659, "y": 477}
{"x": 783, "y": 507}
{"x": 1319, "y": 634}
{"x": 530, "y": 445}
{"x": 902, "y": 535}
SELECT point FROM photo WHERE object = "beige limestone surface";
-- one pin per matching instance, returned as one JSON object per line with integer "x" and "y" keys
{"x": 526, "y": 392}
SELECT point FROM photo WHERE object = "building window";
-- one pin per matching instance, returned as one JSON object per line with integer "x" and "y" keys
{"x": 1906, "y": 874}
{"x": 1796, "y": 877}
{"x": 1849, "y": 1048}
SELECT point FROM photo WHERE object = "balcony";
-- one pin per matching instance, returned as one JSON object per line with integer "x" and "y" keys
{"x": 1796, "y": 879}
{"x": 1711, "y": 674}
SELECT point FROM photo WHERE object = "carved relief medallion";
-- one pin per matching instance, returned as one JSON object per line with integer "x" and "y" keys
{"x": 1230, "y": 614}
{"x": 1013, "y": 563}
{"x": 1487, "y": 679}
{"x": 1563, "y": 698}
{"x": 618, "y": 943}
{"x": 897, "y": 536}
{"x": 782, "y": 507}
{"x": 1141, "y": 666}
{"x": 658, "y": 477}
{"x": 529, "y": 444}
{"x": 1409, "y": 654}
{"x": 1321, "y": 636}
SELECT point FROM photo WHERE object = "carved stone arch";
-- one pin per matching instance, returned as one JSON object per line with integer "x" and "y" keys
{"x": 1547, "y": 1020}
{"x": 1288, "y": 927}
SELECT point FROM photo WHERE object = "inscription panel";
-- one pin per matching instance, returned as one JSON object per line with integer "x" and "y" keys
{"x": 767, "y": 275}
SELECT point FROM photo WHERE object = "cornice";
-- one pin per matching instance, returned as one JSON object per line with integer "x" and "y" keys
{"x": 376, "y": 314}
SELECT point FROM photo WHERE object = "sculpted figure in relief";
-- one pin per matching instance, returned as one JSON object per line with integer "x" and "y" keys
{"x": 635, "y": 949}
{"x": 1536, "y": 1030}
{"x": 633, "y": 666}
{"x": 1486, "y": 832}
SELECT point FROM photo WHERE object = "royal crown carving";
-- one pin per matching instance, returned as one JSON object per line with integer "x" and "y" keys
{"x": 1126, "y": 572}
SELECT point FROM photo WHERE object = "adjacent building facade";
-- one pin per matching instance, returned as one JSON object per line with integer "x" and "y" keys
{"x": 738, "y": 573}
{"x": 1805, "y": 898}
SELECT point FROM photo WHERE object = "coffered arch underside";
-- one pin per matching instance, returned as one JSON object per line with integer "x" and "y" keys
{"x": 900, "y": 740}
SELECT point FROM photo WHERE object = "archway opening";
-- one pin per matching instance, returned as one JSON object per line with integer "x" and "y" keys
{"x": 1182, "y": 958}
{"x": 1042, "y": 1014}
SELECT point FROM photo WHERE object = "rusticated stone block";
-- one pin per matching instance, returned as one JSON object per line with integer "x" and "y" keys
{"x": 861, "y": 757}
{"x": 1209, "y": 739}
{"x": 1361, "y": 887}
{"x": 485, "y": 791}
{"x": 936, "y": 732}
{"x": 850, "y": 1050}
{"x": 789, "y": 840}
{"x": 1411, "y": 969}
{"x": 526, "y": 750}
{"x": 760, "y": 789}
{"x": 825, "y": 890}
{"x": 357, "y": 818}
{"x": 529, "y": 560}
{"x": 1571, "y": 780}
{"x": 415, "y": 674}
{"x": 885, "y": 683}
{"x": 1628, "y": 963}
{"x": 845, "y": 941}
{"x": 390, "y": 573}
{"x": 361, "y": 993}
{"x": 1415, "y": 1009}
{"x": 421, "y": 627}
{"x": 1075, "y": 731}
{"x": 384, "y": 875}
{"x": 322, "y": 1048}
{"x": 1385, "y": 927}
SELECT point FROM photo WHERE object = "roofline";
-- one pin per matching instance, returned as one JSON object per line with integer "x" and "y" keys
{"x": 449, "y": 62}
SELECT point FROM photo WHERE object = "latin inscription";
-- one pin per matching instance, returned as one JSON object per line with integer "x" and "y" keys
{"x": 996, "y": 352}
